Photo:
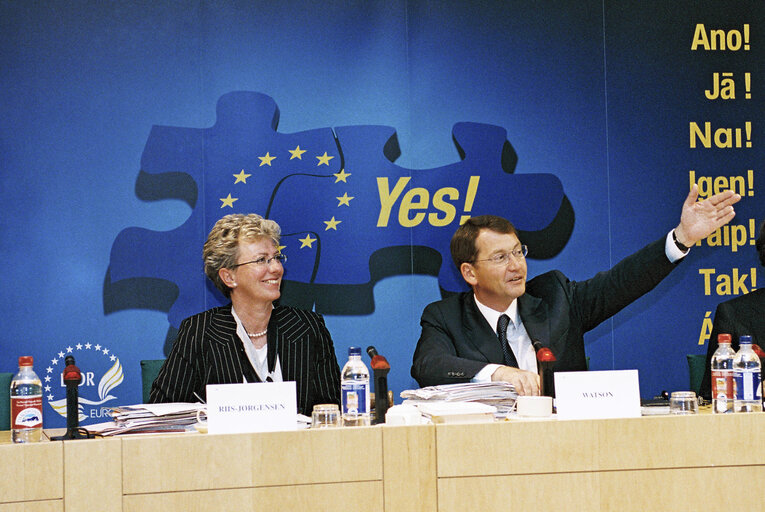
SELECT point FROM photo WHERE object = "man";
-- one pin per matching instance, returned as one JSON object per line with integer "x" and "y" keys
{"x": 460, "y": 340}
{"x": 737, "y": 317}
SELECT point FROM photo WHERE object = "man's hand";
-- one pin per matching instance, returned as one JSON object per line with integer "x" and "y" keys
{"x": 699, "y": 219}
{"x": 526, "y": 383}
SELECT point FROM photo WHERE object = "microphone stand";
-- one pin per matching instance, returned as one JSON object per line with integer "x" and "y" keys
{"x": 545, "y": 361}
{"x": 380, "y": 367}
{"x": 72, "y": 379}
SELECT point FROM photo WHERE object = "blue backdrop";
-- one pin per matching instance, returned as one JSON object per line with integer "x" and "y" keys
{"x": 123, "y": 125}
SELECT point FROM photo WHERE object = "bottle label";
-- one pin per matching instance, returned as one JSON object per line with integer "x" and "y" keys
{"x": 722, "y": 384}
{"x": 747, "y": 385}
{"x": 26, "y": 412}
{"x": 355, "y": 398}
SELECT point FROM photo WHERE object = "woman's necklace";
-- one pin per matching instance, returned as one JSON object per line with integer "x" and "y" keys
{"x": 258, "y": 334}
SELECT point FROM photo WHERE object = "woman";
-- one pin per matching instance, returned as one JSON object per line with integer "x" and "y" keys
{"x": 250, "y": 339}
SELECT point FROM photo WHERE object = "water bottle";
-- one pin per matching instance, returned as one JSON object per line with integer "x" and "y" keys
{"x": 354, "y": 390}
{"x": 722, "y": 376}
{"x": 746, "y": 378}
{"x": 26, "y": 404}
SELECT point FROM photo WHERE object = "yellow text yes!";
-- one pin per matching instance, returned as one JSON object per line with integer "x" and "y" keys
{"x": 417, "y": 204}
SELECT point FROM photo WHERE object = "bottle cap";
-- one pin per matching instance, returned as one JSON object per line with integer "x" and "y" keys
{"x": 26, "y": 361}
{"x": 745, "y": 339}
{"x": 724, "y": 338}
{"x": 354, "y": 351}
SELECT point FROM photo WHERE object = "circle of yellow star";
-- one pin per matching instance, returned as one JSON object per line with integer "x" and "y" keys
{"x": 341, "y": 176}
{"x": 331, "y": 224}
{"x": 307, "y": 241}
{"x": 345, "y": 199}
{"x": 266, "y": 160}
{"x": 297, "y": 153}
{"x": 324, "y": 159}
{"x": 241, "y": 177}
{"x": 228, "y": 201}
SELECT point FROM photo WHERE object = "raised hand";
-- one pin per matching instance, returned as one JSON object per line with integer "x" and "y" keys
{"x": 700, "y": 218}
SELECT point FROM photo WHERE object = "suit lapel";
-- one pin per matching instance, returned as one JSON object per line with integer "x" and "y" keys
{"x": 274, "y": 342}
{"x": 222, "y": 328}
{"x": 533, "y": 313}
{"x": 288, "y": 331}
{"x": 478, "y": 332}
{"x": 222, "y": 332}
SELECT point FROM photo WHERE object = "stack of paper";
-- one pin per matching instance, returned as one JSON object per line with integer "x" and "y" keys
{"x": 501, "y": 395}
{"x": 150, "y": 418}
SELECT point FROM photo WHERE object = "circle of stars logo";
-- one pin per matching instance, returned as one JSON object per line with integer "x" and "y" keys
{"x": 82, "y": 352}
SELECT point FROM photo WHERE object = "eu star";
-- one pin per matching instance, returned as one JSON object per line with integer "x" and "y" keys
{"x": 228, "y": 201}
{"x": 266, "y": 160}
{"x": 345, "y": 199}
{"x": 341, "y": 176}
{"x": 297, "y": 153}
{"x": 241, "y": 177}
{"x": 332, "y": 224}
{"x": 324, "y": 159}
{"x": 307, "y": 241}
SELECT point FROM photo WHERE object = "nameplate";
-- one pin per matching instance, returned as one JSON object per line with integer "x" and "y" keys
{"x": 599, "y": 394}
{"x": 255, "y": 407}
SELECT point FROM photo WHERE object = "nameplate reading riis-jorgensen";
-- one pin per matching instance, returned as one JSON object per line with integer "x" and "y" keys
{"x": 255, "y": 407}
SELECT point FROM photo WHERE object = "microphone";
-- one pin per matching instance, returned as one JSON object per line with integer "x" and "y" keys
{"x": 72, "y": 378}
{"x": 545, "y": 361}
{"x": 378, "y": 361}
{"x": 380, "y": 367}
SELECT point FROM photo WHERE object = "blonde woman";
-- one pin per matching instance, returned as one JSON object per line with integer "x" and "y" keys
{"x": 250, "y": 339}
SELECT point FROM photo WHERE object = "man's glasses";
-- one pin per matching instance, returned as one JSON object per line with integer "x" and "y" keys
{"x": 263, "y": 261}
{"x": 503, "y": 258}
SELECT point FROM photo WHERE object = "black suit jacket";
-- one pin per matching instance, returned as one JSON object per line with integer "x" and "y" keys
{"x": 740, "y": 316}
{"x": 457, "y": 341}
{"x": 208, "y": 351}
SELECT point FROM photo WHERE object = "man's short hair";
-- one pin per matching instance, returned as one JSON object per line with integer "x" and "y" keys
{"x": 463, "y": 242}
{"x": 760, "y": 243}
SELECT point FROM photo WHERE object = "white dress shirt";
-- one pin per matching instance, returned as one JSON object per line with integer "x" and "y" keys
{"x": 258, "y": 356}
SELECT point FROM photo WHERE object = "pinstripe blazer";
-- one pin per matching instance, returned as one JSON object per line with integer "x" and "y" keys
{"x": 208, "y": 351}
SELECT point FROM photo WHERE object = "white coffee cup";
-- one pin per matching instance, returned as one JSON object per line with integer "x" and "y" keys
{"x": 403, "y": 414}
{"x": 534, "y": 406}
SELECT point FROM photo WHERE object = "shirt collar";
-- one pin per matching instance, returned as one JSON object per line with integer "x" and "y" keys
{"x": 492, "y": 316}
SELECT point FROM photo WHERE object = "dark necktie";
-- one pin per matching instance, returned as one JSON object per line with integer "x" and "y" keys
{"x": 502, "y": 324}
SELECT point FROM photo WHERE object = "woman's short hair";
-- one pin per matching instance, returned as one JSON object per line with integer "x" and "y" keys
{"x": 462, "y": 245}
{"x": 221, "y": 249}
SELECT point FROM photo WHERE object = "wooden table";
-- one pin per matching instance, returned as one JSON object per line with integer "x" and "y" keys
{"x": 651, "y": 463}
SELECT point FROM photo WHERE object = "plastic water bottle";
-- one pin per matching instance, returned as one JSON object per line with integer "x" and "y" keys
{"x": 354, "y": 390}
{"x": 26, "y": 404}
{"x": 722, "y": 376}
{"x": 746, "y": 378}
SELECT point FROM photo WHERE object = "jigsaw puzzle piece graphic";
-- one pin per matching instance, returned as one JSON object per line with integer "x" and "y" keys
{"x": 349, "y": 215}
{"x": 373, "y": 204}
{"x": 237, "y": 166}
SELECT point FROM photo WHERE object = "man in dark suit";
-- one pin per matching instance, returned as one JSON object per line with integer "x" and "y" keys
{"x": 489, "y": 333}
{"x": 739, "y": 316}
